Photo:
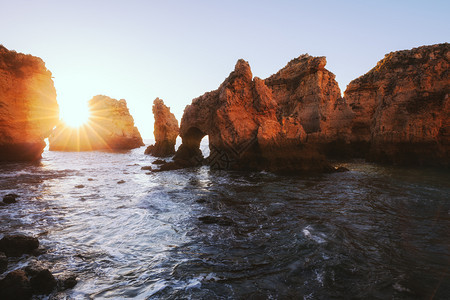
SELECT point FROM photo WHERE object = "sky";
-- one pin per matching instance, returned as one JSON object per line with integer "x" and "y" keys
{"x": 178, "y": 50}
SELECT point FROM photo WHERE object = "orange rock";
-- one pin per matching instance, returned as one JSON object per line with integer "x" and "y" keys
{"x": 28, "y": 107}
{"x": 166, "y": 130}
{"x": 245, "y": 133}
{"x": 402, "y": 109}
{"x": 110, "y": 127}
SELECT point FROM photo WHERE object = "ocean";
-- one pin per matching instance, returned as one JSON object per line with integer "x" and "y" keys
{"x": 374, "y": 232}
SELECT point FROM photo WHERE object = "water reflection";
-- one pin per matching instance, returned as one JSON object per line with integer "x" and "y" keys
{"x": 373, "y": 232}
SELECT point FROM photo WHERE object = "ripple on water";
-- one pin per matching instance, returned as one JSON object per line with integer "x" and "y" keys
{"x": 373, "y": 232}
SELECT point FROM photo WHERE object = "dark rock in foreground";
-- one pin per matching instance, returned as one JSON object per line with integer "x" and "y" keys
{"x": 17, "y": 245}
{"x": 223, "y": 221}
{"x": 10, "y": 198}
{"x": 15, "y": 286}
{"x": 3, "y": 262}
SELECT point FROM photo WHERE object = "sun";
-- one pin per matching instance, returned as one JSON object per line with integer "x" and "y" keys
{"x": 74, "y": 114}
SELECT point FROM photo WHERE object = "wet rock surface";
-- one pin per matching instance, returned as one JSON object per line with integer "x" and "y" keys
{"x": 17, "y": 245}
{"x": 10, "y": 198}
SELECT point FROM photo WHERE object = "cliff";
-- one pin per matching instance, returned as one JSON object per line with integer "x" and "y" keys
{"x": 110, "y": 127}
{"x": 397, "y": 113}
{"x": 402, "y": 109}
{"x": 28, "y": 107}
{"x": 165, "y": 132}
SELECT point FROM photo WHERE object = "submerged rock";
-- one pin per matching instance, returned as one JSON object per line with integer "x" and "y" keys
{"x": 223, "y": 221}
{"x": 166, "y": 130}
{"x": 110, "y": 127}
{"x": 402, "y": 108}
{"x": 28, "y": 107}
{"x": 68, "y": 282}
{"x": 17, "y": 245}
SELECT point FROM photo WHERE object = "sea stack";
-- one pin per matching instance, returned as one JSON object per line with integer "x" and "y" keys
{"x": 402, "y": 108}
{"x": 28, "y": 106}
{"x": 110, "y": 127}
{"x": 245, "y": 129}
{"x": 165, "y": 130}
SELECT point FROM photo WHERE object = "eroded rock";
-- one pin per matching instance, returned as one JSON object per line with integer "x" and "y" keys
{"x": 110, "y": 127}
{"x": 402, "y": 108}
{"x": 245, "y": 128}
{"x": 165, "y": 132}
{"x": 28, "y": 107}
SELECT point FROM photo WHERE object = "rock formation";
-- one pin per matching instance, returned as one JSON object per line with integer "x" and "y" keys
{"x": 166, "y": 130}
{"x": 245, "y": 130}
{"x": 110, "y": 127}
{"x": 397, "y": 113}
{"x": 28, "y": 107}
{"x": 308, "y": 93}
{"x": 402, "y": 107}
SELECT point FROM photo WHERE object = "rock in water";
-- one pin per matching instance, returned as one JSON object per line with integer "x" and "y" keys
{"x": 10, "y": 198}
{"x": 17, "y": 245}
{"x": 15, "y": 286}
{"x": 402, "y": 108}
{"x": 42, "y": 282}
{"x": 166, "y": 130}
{"x": 28, "y": 107}
{"x": 110, "y": 127}
{"x": 3, "y": 262}
{"x": 245, "y": 129}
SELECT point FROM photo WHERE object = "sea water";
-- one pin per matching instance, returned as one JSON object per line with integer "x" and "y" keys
{"x": 374, "y": 232}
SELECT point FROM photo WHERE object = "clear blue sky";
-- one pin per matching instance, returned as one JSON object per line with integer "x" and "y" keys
{"x": 177, "y": 50}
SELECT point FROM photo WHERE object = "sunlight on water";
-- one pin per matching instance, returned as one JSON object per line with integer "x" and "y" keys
{"x": 373, "y": 232}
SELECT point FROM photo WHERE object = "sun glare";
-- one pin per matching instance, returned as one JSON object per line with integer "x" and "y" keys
{"x": 74, "y": 115}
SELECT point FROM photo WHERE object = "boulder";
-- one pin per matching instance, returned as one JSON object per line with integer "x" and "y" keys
{"x": 15, "y": 286}
{"x": 28, "y": 106}
{"x": 42, "y": 282}
{"x": 166, "y": 130}
{"x": 110, "y": 127}
{"x": 10, "y": 198}
{"x": 17, "y": 245}
{"x": 402, "y": 108}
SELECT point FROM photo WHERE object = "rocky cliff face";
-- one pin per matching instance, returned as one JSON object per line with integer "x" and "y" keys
{"x": 28, "y": 107}
{"x": 245, "y": 129}
{"x": 110, "y": 126}
{"x": 309, "y": 94}
{"x": 306, "y": 91}
{"x": 402, "y": 108}
{"x": 166, "y": 130}
{"x": 397, "y": 113}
